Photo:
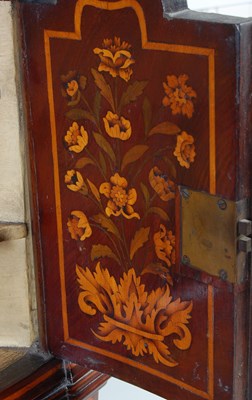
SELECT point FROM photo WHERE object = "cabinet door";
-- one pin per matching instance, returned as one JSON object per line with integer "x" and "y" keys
{"x": 138, "y": 119}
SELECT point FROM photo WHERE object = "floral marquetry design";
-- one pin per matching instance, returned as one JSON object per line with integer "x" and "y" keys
{"x": 162, "y": 185}
{"x": 76, "y": 138}
{"x": 78, "y": 226}
{"x": 123, "y": 171}
{"x": 121, "y": 200}
{"x": 115, "y": 58}
{"x": 142, "y": 321}
{"x": 72, "y": 84}
{"x": 116, "y": 127}
{"x": 179, "y": 97}
{"x": 74, "y": 181}
{"x": 165, "y": 245}
{"x": 185, "y": 150}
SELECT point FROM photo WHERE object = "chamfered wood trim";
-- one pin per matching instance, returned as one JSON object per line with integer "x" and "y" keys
{"x": 34, "y": 377}
{"x": 87, "y": 384}
{"x": 29, "y": 374}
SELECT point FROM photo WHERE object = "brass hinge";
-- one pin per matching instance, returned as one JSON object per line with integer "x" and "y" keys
{"x": 215, "y": 234}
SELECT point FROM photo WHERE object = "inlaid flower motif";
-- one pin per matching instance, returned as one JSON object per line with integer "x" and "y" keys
{"x": 140, "y": 320}
{"x": 185, "y": 150}
{"x": 78, "y": 226}
{"x": 162, "y": 185}
{"x": 115, "y": 58}
{"x": 116, "y": 127}
{"x": 165, "y": 245}
{"x": 74, "y": 181}
{"x": 72, "y": 82}
{"x": 120, "y": 200}
{"x": 76, "y": 138}
{"x": 179, "y": 97}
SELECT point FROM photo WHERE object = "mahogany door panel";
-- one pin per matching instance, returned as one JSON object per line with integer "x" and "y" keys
{"x": 138, "y": 142}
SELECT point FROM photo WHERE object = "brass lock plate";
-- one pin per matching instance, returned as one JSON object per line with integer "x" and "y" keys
{"x": 209, "y": 233}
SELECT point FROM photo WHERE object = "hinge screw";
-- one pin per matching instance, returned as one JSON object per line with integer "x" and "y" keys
{"x": 185, "y": 193}
{"x": 223, "y": 275}
{"x": 186, "y": 260}
{"x": 222, "y": 204}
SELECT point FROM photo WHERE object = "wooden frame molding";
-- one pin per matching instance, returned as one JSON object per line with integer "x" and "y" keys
{"x": 37, "y": 377}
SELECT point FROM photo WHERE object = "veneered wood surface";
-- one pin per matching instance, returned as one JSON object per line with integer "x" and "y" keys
{"x": 209, "y": 54}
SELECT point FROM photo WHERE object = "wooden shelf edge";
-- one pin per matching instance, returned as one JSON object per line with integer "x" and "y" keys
{"x": 41, "y": 376}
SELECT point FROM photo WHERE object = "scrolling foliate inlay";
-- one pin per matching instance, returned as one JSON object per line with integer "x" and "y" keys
{"x": 141, "y": 320}
{"x": 136, "y": 179}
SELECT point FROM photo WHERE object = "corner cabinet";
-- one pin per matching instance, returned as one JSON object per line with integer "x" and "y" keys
{"x": 139, "y": 137}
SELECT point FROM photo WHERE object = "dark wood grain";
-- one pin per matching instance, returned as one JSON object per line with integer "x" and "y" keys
{"x": 216, "y": 58}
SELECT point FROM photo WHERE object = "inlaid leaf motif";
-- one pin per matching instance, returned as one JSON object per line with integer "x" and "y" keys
{"x": 160, "y": 270}
{"x": 75, "y": 101}
{"x": 91, "y": 298}
{"x": 83, "y": 82}
{"x": 171, "y": 169}
{"x": 104, "y": 145}
{"x": 154, "y": 268}
{"x": 141, "y": 237}
{"x": 83, "y": 162}
{"x": 87, "y": 282}
{"x": 102, "y": 163}
{"x": 94, "y": 190}
{"x": 100, "y": 251}
{"x": 161, "y": 354}
{"x": 105, "y": 89}
{"x": 77, "y": 114}
{"x": 165, "y": 128}
{"x": 147, "y": 114}
{"x": 177, "y": 324}
{"x": 146, "y": 194}
{"x": 97, "y": 104}
{"x": 131, "y": 315}
{"x": 132, "y": 92}
{"x": 90, "y": 116}
{"x": 159, "y": 211}
{"x": 134, "y": 154}
{"x": 108, "y": 224}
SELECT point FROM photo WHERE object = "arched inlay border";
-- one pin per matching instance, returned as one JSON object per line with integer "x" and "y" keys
{"x": 148, "y": 45}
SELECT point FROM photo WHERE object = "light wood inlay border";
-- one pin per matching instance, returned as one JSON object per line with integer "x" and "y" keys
{"x": 190, "y": 50}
